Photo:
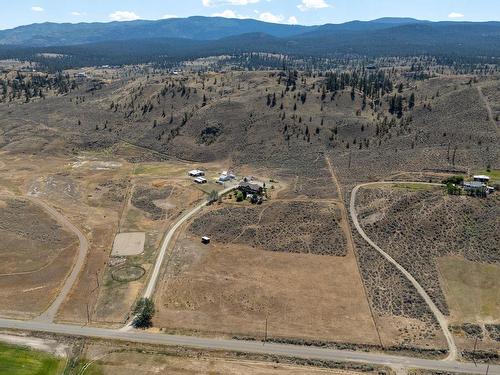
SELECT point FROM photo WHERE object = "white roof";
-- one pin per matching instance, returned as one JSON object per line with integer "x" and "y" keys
{"x": 205, "y": 238}
{"x": 482, "y": 177}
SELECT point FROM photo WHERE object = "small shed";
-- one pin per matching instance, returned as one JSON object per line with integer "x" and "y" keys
{"x": 196, "y": 173}
{"x": 482, "y": 178}
{"x": 200, "y": 180}
{"x": 205, "y": 240}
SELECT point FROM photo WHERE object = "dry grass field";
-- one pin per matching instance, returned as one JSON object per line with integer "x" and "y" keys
{"x": 36, "y": 255}
{"x": 232, "y": 289}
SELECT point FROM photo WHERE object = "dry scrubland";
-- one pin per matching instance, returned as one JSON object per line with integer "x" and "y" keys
{"x": 449, "y": 244}
{"x": 36, "y": 254}
{"x": 291, "y": 227}
{"x": 113, "y": 158}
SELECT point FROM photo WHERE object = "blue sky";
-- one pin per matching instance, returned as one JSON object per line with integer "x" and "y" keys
{"x": 308, "y": 12}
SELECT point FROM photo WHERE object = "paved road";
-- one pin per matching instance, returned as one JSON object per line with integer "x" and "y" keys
{"x": 252, "y": 347}
{"x": 50, "y": 313}
{"x": 443, "y": 322}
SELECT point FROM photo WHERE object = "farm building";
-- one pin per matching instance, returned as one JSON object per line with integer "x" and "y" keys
{"x": 250, "y": 188}
{"x": 482, "y": 178}
{"x": 200, "y": 180}
{"x": 477, "y": 188}
{"x": 196, "y": 173}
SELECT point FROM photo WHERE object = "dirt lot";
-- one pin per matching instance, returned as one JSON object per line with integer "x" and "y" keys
{"x": 36, "y": 254}
{"x": 231, "y": 289}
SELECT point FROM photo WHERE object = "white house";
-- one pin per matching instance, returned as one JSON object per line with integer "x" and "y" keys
{"x": 482, "y": 178}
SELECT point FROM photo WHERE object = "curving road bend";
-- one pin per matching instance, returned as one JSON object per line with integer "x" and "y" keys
{"x": 153, "y": 280}
{"x": 50, "y": 313}
{"x": 443, "y": 322}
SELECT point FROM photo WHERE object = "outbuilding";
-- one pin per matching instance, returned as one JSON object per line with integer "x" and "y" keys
{"x": 482, "y": 178}
{"x": 196, "y": 173}
{"x": 205, "y": 240}
{"x": 200, "y": 180}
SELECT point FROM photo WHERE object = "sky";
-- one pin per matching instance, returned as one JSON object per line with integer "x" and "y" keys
{"x": 305, "y": 12}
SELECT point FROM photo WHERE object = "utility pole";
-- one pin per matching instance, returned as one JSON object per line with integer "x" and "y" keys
{"x": 474, "y": 352}
{"x": 265, "y": 335}
{"x": 88, "y": 313}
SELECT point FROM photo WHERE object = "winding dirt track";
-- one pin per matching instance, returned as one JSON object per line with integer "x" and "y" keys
{"x": 50, "y": 313}
{"x": 488, "y": 109}
{"x": 443, "y": 322}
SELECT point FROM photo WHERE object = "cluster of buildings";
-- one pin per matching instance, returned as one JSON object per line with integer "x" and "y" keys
{"x": 199, "y": 177}
{"x": 479, "y": 186}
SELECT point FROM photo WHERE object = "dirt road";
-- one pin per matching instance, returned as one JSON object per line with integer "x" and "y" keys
{"x": 50, "y": 313}
{"x": 443, "y": 322}
{"x": 488, "y": 109}
{"x": 153, "y": 280}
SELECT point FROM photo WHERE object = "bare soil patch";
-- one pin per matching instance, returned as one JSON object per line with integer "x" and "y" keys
{"x": 127, "y": 244}
{"x": 232, "y": 289}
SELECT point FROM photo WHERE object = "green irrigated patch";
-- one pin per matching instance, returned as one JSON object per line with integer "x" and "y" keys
{"x": 18, "y": 360}
{"x": 472, "y": 289}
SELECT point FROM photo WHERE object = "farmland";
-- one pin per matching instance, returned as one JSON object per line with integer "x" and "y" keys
{"x": 16, "y": 360}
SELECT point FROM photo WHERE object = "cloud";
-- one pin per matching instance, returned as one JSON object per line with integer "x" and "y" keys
{"x": 312, "y": 4}
{"x": 293, "y": 20}
{"x": 77, "y": 14}
{"x": 214, "y": 3}
{"x": 455, "y": 15}
{"x": 228, "y": 13}
{"x": 272, "y": 18}
{"x": 37, "y": 9}
{"x": 123, "y": 15}
{"x": 167, "y": 16}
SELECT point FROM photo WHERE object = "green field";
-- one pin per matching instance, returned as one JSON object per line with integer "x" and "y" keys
{"x": 17, "y": 360}
{"x": 472, "y": 289}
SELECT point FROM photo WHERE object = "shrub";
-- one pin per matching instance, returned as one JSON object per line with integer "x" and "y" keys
{"x": 457, "y": 180}
{"x": 239, "y": 196}
{"x": 144, "y": 311}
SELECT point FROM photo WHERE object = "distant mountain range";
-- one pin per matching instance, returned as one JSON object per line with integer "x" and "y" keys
{"x": 143, "y": 41}
{"x": 195, "y": 28}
